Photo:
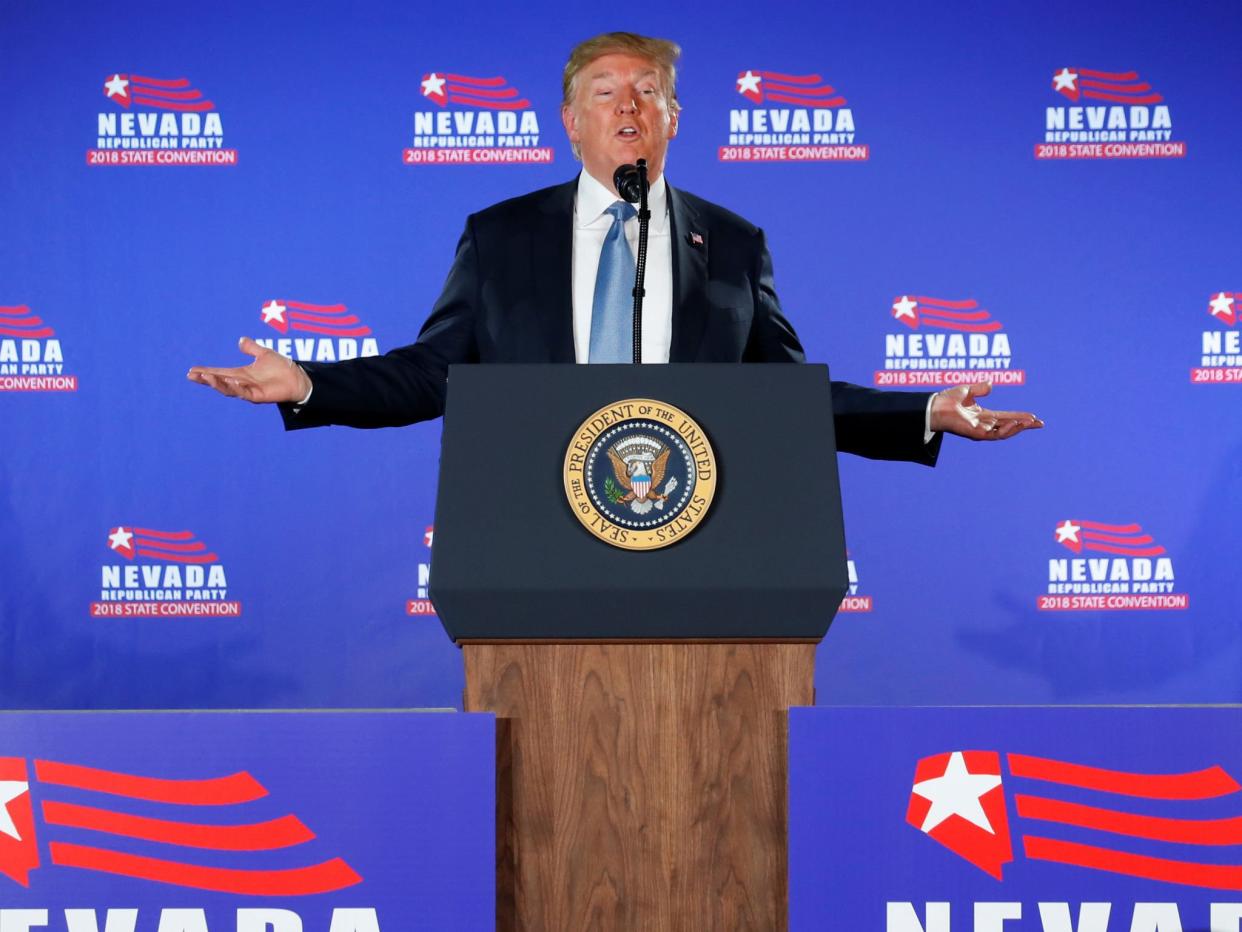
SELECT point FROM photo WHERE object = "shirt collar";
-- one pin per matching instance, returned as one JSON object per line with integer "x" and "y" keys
{"x": 593, "y": 199}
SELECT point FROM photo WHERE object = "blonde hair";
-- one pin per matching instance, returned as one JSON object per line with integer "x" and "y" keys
{"x": 661, "y": 52}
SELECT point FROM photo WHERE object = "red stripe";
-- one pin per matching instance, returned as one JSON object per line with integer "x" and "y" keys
{"x": 320, "y": 308}
{"x": 953, "y": 315}
{"x": 191, "y": 94}
{"x": 1114, "y": 528}
{"x": 1186, "y": 873}
{"x": 217, "y": 791}
{"x": 163, "y": 535}
{"x": 1113, "y": 86}
{"x": 169, "y": 105}
{"x": 1116, "y": 539}
{"x": 1108, "y": 75}
{"x": 323, "y": 318}
{"x": 31, "y": 321}
{"x": 489, "y": 104}
{"x": 821, "y": 91}
{"x": 1201, "y": 784}
{"x": 29, "y": 334}
{"x": 176, "y": 557}
{"x": 504, "y": 92}
{"x": 1181, "y": 831}
{"x": 14, "y": 310}
{"x": 260, "y": 836}
{"x": 300, "y": 881}
{"x": 940, "y": 302}
{"x": 475, "y": 82}
{"x": 790, "y": 78}
{"x": 1122, "y": 99}
{"x": 1126, "y": 551}
{"x": 804, "y": 101}
{"x": 160, "y": 82}
{"x": 194, "y": 547}
{"x": 991, "y": 327}
{"x": 332, "y": 331}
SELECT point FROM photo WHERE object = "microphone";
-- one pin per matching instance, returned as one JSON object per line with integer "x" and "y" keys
{"x": 630, "y": 182}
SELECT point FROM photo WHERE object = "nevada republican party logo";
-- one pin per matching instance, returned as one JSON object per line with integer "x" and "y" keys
{"x": 940, "y": 341}
{"x": 161, "y": 573}
{"x": 1109, "y": 567}
{"x": 150, "y": 120}
{"x": 790, "y": 118}
{"x": 474, "y": 120}
{"x": 1106, "y": 115}
{"x": 31, "y": 356}
{"x": 1220, "y": 349}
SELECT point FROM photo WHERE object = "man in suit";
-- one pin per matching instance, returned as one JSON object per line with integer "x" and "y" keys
{"x": 544, "y": 278}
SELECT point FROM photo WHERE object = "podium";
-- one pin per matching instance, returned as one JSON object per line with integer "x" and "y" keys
{"x": 640, "y": 694}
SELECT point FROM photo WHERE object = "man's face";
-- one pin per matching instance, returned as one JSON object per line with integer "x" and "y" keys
{"x": 620, "y": 114}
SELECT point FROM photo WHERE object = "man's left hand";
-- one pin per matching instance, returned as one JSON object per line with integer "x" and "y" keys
{"x": 957, "y": 411}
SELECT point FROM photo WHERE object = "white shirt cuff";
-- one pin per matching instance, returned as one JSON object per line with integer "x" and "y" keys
{"x": 928, "y": 434}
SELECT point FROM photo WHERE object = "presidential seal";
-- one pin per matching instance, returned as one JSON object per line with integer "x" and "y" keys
{"x": 640, "y": 474}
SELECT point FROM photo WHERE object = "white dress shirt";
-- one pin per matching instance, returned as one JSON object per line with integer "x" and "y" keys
{"x": 591, "y": 225}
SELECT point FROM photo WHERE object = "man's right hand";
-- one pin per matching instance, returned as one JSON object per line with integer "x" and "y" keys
{"x": 270, "y": 378}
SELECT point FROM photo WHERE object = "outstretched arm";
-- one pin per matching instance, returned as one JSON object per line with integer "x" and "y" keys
{"x": 957, "y": 411}
{"x": 269, "y": 379}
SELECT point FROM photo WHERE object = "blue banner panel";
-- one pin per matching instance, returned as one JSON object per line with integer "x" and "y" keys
{"x": 262, "y": 822}
{"x": 1043, "y": 196}
{"x": 1010, "y": 819}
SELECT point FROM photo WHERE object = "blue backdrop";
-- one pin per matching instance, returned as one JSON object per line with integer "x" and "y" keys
{"x": 1004, "y": 189}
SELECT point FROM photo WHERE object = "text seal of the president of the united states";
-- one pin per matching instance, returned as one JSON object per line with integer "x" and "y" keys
{"x": 640, "y": 474}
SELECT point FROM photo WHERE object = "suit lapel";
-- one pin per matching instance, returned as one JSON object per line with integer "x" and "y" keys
{"x": 552, "y": 261}
{"x": 690, "y": 243}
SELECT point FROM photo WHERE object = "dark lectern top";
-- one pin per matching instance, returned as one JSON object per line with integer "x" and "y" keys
{"x": 512, "y": 561}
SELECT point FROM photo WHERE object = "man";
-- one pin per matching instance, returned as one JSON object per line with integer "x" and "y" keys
{"x": 546, "y": 277}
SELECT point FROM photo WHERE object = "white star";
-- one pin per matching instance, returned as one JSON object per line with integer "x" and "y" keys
{"x": 904, "y": 308}
{"x": 1067, "y": 531}
{"x": 273, "y": 310}
{"x": 9, "y": 791}
{"x": 433, "y": 86}
{"x": 748, "y": 82}
{"x": 1221, "y": 305}
{"x": 1064, "y": 79}
{"x": 119, "y": 539}
{"x": 116, "y": 86}
{"x": 957, "y": 793}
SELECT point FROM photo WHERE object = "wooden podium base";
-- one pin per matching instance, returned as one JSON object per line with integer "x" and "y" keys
{"x": 640, "y": 785}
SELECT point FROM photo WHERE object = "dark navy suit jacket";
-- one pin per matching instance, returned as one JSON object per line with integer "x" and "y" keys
{"x": 508, "y": 299}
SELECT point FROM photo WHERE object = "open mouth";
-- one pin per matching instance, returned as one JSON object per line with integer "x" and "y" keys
{"x": 628, "y": 132}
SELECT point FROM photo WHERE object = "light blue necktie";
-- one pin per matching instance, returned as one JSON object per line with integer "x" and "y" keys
{"x": 612, "y": 319}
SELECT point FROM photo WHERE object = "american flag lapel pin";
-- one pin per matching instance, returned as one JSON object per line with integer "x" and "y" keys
{"x": 696, "y": 239}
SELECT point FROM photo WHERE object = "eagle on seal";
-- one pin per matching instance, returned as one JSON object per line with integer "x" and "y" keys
{"x": 639, "y": 481}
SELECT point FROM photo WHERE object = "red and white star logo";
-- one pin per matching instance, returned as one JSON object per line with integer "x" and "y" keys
{"x": 433, "y": 87}
{"x": 1065, "y": 80}
{"x": 1067, "y": 532}
{"x": 904, "y": 308}
{"x": 748, "y": 82}
{"x": 1221, "y": 307}
{"x": 957, "y": 793}
{"x": 115, "y": 87}
{"x": 121, "y": 541}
